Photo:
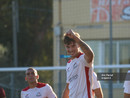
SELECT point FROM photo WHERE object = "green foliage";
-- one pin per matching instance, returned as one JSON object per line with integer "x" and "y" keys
{"x": 5, "y": 33}
{"x": 34, "y": 38}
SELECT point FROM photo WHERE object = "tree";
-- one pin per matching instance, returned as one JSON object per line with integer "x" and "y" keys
{"x": 35, "y": 32}
{"x": 35, "y": 37}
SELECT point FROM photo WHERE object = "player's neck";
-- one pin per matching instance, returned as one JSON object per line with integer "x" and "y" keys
{"x": 33, "y": 85}
{"x": 76, "y": 56}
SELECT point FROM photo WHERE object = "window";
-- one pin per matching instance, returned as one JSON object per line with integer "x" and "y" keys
{"x": 121, "y": 55}
{"x": 121, "y": 52}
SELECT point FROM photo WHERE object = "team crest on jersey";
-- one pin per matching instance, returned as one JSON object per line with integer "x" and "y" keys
{"x": 27, "y": 96}
{"x": 38, "y": 94}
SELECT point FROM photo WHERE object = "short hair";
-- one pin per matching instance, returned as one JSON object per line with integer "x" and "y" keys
{"x": 68, "y": 40}
{"x": 31, "y": 68}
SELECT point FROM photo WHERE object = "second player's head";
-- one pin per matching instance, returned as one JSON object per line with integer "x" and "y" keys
{"x": 31, "y": 75}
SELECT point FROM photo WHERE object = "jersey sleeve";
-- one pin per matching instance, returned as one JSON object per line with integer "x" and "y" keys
{"x": 21, "y": 95}
{"x": 96, "y": 83}
{"x": 84, "y": 62}
{"x": 127, "y": 85}
{"x": 50, "y": 92}
{"x": 67, "y": 81}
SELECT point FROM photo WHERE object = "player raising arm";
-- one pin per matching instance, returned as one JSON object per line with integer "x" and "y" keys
{"x": 79, "y": 67}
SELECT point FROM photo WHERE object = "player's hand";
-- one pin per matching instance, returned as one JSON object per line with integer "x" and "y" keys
{"x": 71, "y": 34}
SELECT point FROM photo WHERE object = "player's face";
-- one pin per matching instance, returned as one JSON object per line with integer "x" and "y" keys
{"x": 72, "y": 49}
{"x": 31, "y": 76}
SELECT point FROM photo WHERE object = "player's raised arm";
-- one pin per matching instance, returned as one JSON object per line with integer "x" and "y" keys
{"x": 78, "y": 67}
{"x": 89, "y": 55}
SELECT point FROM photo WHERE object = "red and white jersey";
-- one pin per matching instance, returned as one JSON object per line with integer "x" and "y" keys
{"x": 127, "y": 83}
{"x": 42, "y": 90}
{"x": 79, "y": 77}
{"x": 96, "y": 83}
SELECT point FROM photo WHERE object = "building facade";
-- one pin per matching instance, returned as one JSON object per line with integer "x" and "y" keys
{"x": 91, "y": 18}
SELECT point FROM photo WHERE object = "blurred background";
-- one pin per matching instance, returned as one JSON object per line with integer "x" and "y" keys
{"x": 31, "y": 35}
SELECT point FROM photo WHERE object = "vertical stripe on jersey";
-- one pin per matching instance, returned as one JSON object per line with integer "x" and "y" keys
{"x": 88, "y": 82}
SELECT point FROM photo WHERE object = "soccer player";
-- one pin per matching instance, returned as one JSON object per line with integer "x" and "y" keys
{"x": 2, "y": 93}
{"x": 35, "y": 88}
{"x": 97, "y": 90}
{"x": 79, "y": 68}
{"x": 127, "y": 85}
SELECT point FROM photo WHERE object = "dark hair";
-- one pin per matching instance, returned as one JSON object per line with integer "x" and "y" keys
{"x": 68, "y": 40}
